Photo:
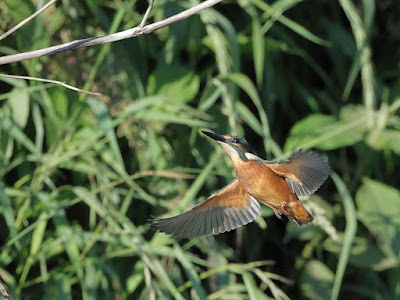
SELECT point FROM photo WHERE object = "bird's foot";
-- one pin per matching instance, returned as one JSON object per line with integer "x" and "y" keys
{"x": 277, "y": 213}
{"x": 283, "y": 208}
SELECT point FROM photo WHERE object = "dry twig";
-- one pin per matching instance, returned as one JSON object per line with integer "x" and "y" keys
{"x": 146, "y": 15}
{"x": 50, "y": 81}
{"x": 126, "y": 34}
{"x": 141, "y": 29}
{"x": 18, "y": 26}
{"x": 4, "y": 293}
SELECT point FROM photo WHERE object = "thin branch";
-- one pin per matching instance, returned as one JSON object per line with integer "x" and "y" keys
{"x": 18, "y": 26}
{"x": 146, "y": 15}
{"x": 50, "y": 81}
{"x": 126, "y": 34}
{"x": 4, "y": 293}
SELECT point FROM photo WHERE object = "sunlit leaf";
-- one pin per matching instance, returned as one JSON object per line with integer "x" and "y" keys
{"x": 175, "y": 82}
{"x": 327, "y": 132}
{"x": 258, "y": 50}
{"x": 388, "y": 139}
{"x": 19, "y": 104}
{"x": 363, "y": 254}
{"x": 15, "y": 132}
{"x": 379, "y": 210}
{"x": 102, "y": 114}
{"x": 317, "y": 280}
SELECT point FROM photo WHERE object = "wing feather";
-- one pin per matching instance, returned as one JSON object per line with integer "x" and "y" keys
{"x": 208, "y": 224}
{"x": 221, "y": 223}
{"x": 304, "y": 173}
{"x": 223, "y": 211}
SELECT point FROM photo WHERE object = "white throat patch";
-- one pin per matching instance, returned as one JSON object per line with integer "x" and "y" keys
{"x": 230, "y": 150}
{"x": 251, "y": 156}
{"x": 234, "y": 154}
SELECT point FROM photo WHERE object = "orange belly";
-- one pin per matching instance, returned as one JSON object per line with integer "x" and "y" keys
{"x": 271, "y": 190}
{"x": 263, "y": 184}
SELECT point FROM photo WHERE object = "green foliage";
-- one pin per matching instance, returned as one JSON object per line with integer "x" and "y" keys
{"x": 317, "y": 280}
{"x": 381, "y": 217}
{"x": 326, "y": 132}
{"x": 171, "y": 80}
{"x": 80, "y": 177}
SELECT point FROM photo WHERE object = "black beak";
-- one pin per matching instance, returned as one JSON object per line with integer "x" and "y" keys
{"x": 214, "y": 136}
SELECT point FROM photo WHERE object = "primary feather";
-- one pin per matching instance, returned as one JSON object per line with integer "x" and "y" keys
{"x": 223, "y": 211}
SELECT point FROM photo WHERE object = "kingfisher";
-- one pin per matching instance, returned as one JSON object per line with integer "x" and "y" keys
{"x": 276, "y": 184}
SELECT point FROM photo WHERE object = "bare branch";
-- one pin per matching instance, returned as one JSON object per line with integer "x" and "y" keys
{"x": 146, "y": 15}
{"x": 50, "y": 81}
{"x": 130, "y": 33}
{"x": 4, "y": 293}
{"x": 18, "y": 26}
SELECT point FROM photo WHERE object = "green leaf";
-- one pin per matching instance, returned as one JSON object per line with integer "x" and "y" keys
{"x": 60, "y": 102}
{"x": 7, "y": 211}
{"x": 102, "y": 114}
{"x": 209, "y": 96}
{"x": 176, "y": 82}
{"x": 139, "y": 105}
{"x": 190, "y": 272}
{"x": 91, "y": 201}
{"x": 16, "y": 133}
{"x": 19, "y": 10}
{"x": 161, "y": 116}
{"x": 136, "y": 277}
{"x": 296, "y": 27}
{"x": 66, "y": 232}
{"x": 38, "y": 234}
{"x": 311, "y": 130}
{"x": 363, "y": 254}
{"x": 250, "y": 285}
{"x": 250, "y": 119}
{"x": 326, "y": 132}
{"x": 248, "y": 87}
{"x": 388, "y": 139}
{"x": 317, "y": 281}
{"x": 19, "y": 103}
{"x": 258, "y": 50}
{"x": 200, "y": 180}
{"x": 349, "y": 233}
{"x": 379, "y": 210}
{"x": 39, "y": 126}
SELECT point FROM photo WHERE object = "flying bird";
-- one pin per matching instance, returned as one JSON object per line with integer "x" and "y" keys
{"x": 274, "y": 184}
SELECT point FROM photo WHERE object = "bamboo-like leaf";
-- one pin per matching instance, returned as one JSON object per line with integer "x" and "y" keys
{"x": 102, "y": 114}
{"x": 258, "y": 50}
{"x": 349, "y": 234}
{"x": 296, "y": 27}
{"x": 19, "y": 103}
{"x": 16, "y": 133}
{"x": 317, "y": 280}
{"x": 190, "y": 272}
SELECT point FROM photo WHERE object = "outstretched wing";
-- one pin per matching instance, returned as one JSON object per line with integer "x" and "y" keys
{"x": 305, "y": 172}
{"x": 223, "y": 211}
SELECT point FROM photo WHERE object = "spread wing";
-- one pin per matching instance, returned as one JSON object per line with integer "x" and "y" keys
{"x": 304, "y": 173}
{"x": 223, "y": 211}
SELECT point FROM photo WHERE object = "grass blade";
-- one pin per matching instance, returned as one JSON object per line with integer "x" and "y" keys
{"x": 102, "y": 114}
{"x": 349, "y": 233}
{"x": 258, "y": 51}
{"x": 190, "y": 271}
{"x": 14, "y": 131}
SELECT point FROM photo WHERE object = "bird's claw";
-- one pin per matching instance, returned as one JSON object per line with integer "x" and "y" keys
{"x": 283, "y": 208}
{"x": 277, "y": 214}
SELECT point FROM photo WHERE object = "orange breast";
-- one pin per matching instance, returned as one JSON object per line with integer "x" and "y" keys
{"x": 262, "y": 183}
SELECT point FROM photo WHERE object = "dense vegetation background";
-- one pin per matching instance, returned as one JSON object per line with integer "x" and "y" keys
{"x": 81, "y": 176}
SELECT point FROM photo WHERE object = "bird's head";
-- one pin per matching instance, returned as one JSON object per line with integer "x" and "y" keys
{"x": 234, "y": 145}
